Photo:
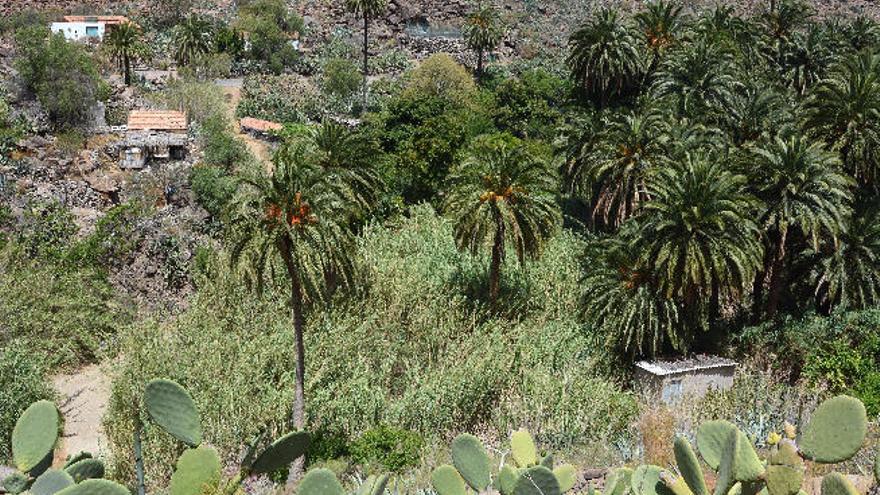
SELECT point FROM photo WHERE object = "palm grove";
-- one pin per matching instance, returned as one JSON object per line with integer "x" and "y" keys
{"x": 724, "y": 171}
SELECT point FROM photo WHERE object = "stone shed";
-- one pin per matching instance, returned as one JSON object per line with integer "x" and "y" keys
{"x": 153, "y": 135}
{"x": 670, "y": 381}
{"x": 262, "y": 129}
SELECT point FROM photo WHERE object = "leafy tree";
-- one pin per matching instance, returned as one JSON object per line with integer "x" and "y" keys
{"x": 697, "y": 234}
{"x": 482, "y": 32}
{"x": 192, "y": 39}
{"x": 124, "y": 42}
{"x": 804, "y": 191}
{"x": 844, "y": 110}
{"x": 502, "y": 192}
{"x": 368, "y": 10}
{"x": 293, "y": 220}
{"x": 604, "y": 58}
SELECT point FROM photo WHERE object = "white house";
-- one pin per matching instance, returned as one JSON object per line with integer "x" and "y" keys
{"x": 81, "y": 27}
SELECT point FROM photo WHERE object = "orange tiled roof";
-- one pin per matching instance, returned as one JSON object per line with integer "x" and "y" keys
{"x": 260, "y": 125}
{"x": 106, "y": 19}
{"x": 157, "y": 120}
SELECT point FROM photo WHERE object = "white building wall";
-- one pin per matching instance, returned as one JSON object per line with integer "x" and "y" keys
{"x": 75, "y": 31}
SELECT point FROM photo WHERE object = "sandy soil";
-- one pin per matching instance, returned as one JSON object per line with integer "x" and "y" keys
{"x": 83, "y": 397}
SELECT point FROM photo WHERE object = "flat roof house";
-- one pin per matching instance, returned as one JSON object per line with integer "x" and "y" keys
{"x": 83, "y": 27}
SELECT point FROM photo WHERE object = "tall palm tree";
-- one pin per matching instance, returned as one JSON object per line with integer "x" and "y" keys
{"x": 698, "y": 235}
{"x": 803, "y": 189}
{"x": 482, "y": 32}
{"x": 367, "y": 9}
{"x": 660, "y": 24}
{"x": 844, "y": 110}
{"x": 604, "y": 58}
{"x": 621, "y": 302}
{"x": 698, "y": 79}
{"x": 192, "y": 38}
{"x": 502, "y": 193}
{"x": 629, "y": 147}
{"x": 862, "y": 33}
{"x": 293, "y": 220}
{"x": 807, "y": 57}
{"x": 124, "y": 42}
{"x": 754, "y": 109}
{"x": 848, "y": 274}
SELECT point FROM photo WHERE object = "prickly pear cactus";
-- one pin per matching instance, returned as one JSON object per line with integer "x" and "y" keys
{"x": 566, "y": 475}
{"x": 785, "y": 470}
{"x": 34, "y": 435}
{"x": 446, "y": 481}
{"x": 646, "y": 480}
{"x": 73, "y": 459}
{"x": 16, "y": 483}
{"x": 51, "y": 482}
{"x": 320, "y": 482}
{"x": 95, "y": 487}
{"x": 173, "y": 408}
{"x": 471, "y": 460}
{"x": 523, "y": 448}
{"x": 836, "y": 431}
{"x": 837, "y": 484}
{"x": 739, "y": 463}
{"x": 689, "y": 466}
{"x": 547, "y": 461}
{"x": 712, "y": 440}
{"x": 537, "y": 480}
{"x": 198, "y": 471}
{"x": 374, "y": 485}
{"x": 281, "y": 453}
{"x": 85, "y": 469}
{"x": 618, "y": 482}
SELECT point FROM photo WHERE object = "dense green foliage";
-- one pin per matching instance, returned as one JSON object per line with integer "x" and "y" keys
{"x": 22, "y": 381}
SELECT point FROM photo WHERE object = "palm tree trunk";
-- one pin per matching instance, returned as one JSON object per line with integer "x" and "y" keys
{"x": 776, "y": 276}
{"x": 758, "y": 296}
{"x": 479, "y": 65}
{"x": 495, "y": 269}
{"x": 366, "y": 56}
{"x": 126, "y": 68}
{"x": 296, "y": 314}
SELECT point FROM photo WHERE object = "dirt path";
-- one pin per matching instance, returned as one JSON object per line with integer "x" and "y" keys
{"x": 232, "y": 91}
{"x": 83, "y": 398}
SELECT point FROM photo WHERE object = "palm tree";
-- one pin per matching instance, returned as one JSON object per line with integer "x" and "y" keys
{"x": 192, "y": 38}
{"x": 848, "y": 274}
{"x": 124, "y": 42}
{"x": 368, "y": 9}
{"x": 604, "y": 58}
{"x": 628, "y": 148}
{"x": 862, "y": 33}
{"x": 807, "y": 57}
{"x": 501, "y": 193}
{"x": 697, "y": 234}
{"x": 622, "y": 304}
{"x": 295, "y": 218}
{"x": 698, "y": 79}
{"x": 804, "y": 190}
{"x": 659, "y": 24}
{"x": 844, "y": 110}
{"x": 752, "y": 110}
{"x": 482, "y": 32}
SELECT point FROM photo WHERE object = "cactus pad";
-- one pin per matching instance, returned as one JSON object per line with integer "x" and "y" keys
{"x": 523, "y": 448}
{"x": 566, "y": 475}
{"x": 471, "y": 460}
{"x": 71, "y": 460}
{"x": 689, "y": 466}
{"x": 739, "y": 463}
{"x": 51, "y": 482}
{"x": 646, "y": 480}
{"x": 783, "y": 480}
{"x": 711, "y": 441}
{"x": 547, "y": 461}
{"x": 447, "y": 481}
{"x": 618, "y": 482}
{"x": 173, "y": 408}
{"x": 320, "y": 482}
{"x": 197, "y": 469}
{"x": 506, "y": 480}
{"x": 15, "y": 483}
{"x": 85, "y": 469}
{"x": 675, "y": 484}
{"x": 537, "y": 480}
{"x": 281, "y": 452}
{"x": 374, "y": 485}
{"x": 95, "y": 487}
{"x": 34, "y": 435}
{"x": 836, "y": 431}
{"x": 837, "y": 484}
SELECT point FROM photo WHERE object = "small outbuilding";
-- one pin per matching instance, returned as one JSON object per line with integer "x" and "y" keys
{"x": 81, "y": 27}
{"x": 259, "y": 128}
{"x": 153, "y": 135}
{"x": 670, "y": 381}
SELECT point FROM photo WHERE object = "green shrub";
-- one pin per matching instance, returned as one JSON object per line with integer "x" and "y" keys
{"x": 116, "y": 236}
{"x": 202, "y": 101}
{"x": 22, "y": 382}
{"x": 47, "y": 231}
{"x": 213, "y": 188}
{"x": 340, "y": 78}
{"x": 395, "y": 449}
{"x": 284, "y": 99}
{"x": 221, "y": 148}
